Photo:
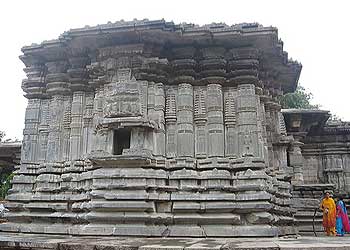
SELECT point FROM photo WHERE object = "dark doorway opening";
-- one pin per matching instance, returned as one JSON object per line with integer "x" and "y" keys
{"x": 121, "y": 140}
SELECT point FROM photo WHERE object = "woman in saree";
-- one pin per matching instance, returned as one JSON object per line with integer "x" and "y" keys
{"x": 329, "y": 214}
{"x": 342, "y": 222}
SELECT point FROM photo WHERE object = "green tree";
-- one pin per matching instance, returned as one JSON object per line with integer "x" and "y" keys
{"x": 300, "y": 99}
{"x": 6, "y": 183}
{"x": 6, "y": 173}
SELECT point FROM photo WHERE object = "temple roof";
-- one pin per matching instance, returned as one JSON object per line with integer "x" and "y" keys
{"x": 275, "y": 67}
{"x": 10, "y": 153}
{"x": 301, "y": 120}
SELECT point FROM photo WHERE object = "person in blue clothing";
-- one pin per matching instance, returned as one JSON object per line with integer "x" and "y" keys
{"x": 342, "y": 221}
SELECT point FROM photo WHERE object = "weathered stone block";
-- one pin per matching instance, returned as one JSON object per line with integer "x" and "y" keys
{"x": 259, "y": 218}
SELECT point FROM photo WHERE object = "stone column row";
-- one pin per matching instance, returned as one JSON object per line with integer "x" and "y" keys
{"x": 56, "y": 106}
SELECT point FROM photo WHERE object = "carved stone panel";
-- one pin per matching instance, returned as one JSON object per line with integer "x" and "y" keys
{"x": 123, "y": 97}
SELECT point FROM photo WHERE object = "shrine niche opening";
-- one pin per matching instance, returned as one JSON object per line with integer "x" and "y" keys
{"x": 121, "y": 140}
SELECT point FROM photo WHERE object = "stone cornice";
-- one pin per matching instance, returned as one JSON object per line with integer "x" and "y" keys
{"x": 195, "y": 52}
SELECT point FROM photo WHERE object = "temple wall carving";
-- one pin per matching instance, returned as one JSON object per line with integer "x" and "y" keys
{"x": 134, "y": 135}
{"x": 318, "y": 160}
{"x": 330, "y": 164}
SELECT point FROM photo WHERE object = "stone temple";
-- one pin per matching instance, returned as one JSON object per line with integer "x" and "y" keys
{"x": 150, "y": 128}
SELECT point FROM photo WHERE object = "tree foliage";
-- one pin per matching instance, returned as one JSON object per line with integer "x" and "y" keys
{"x": 4, "y": 139}
{"x": 2, "y": 135}
{"x": 300, "y": 99}
{"x": 5, "y": 184}
{"x": 6, "y": 173}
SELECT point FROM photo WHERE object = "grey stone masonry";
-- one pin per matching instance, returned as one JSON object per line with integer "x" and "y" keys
{"x": 149, "y": 128}
{"x": 319, "y": 156}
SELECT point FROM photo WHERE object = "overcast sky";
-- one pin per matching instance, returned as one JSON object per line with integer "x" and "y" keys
{"x": 315, "y": 33}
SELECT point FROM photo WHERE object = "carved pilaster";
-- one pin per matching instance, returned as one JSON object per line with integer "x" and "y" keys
{"x": 34, "y": 87}
{"x": 170, "y": 121}
{"x": 76, "y": 143}
{"x": 215, "y": 120}
{"x": 159, "y": 109}
{"x": 80, "y": 117}
{"x": 54, "y": 151}
{"x": 98, "y": 137}
{"x": 296, "y": 161}
{"x": 334, "y": 169}
{"x": 261, "y": 116}
{"x": 200, "y": 121}
{"x": 65, "y": 134}
{"x": 269, "y": 130}
{"x": 151, "y": 102}
{"x": 247, "y": 125}
{"x": 43, "y": 129}
{"x": 213, "y": 73}
{"x": 57, "y": 87}
{"x": 184, "y": 113}
{"x": 88, "y": 123}
{"x": 231, "y": 135}
{"x": 243, "y": 72}
{"x": 30, "y": 132}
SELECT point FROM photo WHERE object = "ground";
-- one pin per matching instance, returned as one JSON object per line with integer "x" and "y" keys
{"x": 41, "y": 242}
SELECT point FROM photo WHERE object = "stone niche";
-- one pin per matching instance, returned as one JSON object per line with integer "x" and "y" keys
{"x": 149, "y": 128}
{"x": 125, "y": 121}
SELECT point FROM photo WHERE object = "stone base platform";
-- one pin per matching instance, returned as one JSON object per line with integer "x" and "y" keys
{"x": 12, "y": 241}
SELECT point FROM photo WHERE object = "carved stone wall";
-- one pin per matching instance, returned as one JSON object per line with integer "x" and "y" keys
{"x": 154, "y": 133}
{"x": 327, "y": 158}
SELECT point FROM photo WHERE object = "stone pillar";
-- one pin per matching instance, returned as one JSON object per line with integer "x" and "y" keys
{"x": 57, "y": 87}
{"x": 65, "y": 134}
{"x": 53, "y": 142}
{"x": 200, "y": 122}
{"x": 273, "y": 109}
{"x": 215, "y": 122}
{"x": 151, "y": 102}
{"x": 170, "y": 122}
{"x": 268, "y": 118}
{"x": 231, "y": 136}
{"x": 76, "y": 126}
{"x": 296, "y": 161}
{"x": 212, "y": 66}
{"x": 244, "y": 72}
{"x": 88, "y": 123}
{"x": 30, "y": 132}
{"x": 34, "y": 91}
{"x": 151, "y": 115}
{"x": 81, "y": 107}
{"x": 100, "y": 135}
{"x": 261, "y": 98}
{"x": 159, "y": 108}
{"x": 184, "y": 113}
{"x": 43, "y": 129}
{"x": 247, "y": 121}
